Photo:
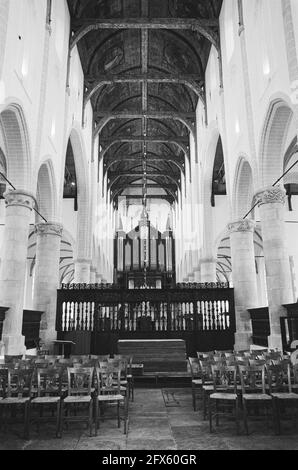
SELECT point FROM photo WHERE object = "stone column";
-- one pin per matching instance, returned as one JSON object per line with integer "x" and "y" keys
{"x": 208, "y": 270}
{"x": 19, "y": 205}
{"x": 46, "y": 278}
{"x": 98, "y": 278}
{"x": 82, "y": 271}
{"x": 271, "y": 202}
{"x": 244, "y": 279}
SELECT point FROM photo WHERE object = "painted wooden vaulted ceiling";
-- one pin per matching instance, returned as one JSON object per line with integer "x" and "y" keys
{"x": 144, "y": 63}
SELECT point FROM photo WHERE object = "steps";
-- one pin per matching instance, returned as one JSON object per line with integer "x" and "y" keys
{"x": 156, "y": 355}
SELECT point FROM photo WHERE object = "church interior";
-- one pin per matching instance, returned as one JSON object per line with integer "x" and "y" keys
{"x": 149, "y": 224}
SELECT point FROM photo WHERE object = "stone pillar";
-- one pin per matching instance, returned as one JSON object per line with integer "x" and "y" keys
{"x": 19, "y": 205}
{"x": 82, "y": 271}
{"x": 208, "y": 270}
{"x": 244, "y": 279}
{"x": 271, "y": 202}
{"x": 46, "y": 278}
{"x": 197, "y": 276}
{"x": 98, "y": 278}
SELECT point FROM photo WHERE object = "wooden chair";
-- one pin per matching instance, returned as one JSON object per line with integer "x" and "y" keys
{"x": 280, "y": 387}
{"x": 17, "y": 394}
{"x": 207, "y": 383}
{"x": 48, "y": 396}
{"x": 78, "y": 395}
{"x": 127, "y": 379}
{"x": 196, "y": 380}
{"x": 253, "y": 386}
{"x": 224, "y": 395}
{"x": 109, "y": 393}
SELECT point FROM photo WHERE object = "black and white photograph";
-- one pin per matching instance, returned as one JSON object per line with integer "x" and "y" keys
{"x": 148, "y": 229}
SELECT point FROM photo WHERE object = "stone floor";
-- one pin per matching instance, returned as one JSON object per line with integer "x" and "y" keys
{"x": 159, "y": 419}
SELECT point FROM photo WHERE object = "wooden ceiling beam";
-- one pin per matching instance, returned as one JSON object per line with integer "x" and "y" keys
{"x": 181, "y": 117}
{"x": 181, "y": 142}
{"x": 205, "y": 27}
{"x": 95, "y": 83}
{"x": 150, "y": 158}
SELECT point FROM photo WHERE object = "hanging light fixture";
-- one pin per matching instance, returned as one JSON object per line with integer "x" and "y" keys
{"x": 144, "y": 223}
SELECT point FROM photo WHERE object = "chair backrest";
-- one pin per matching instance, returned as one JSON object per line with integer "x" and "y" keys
{"x": 195, "y": 367}
{"x": 224, "y": 376}
{"x": 257, "y": 362}
{"x": 42, "y": 364}
{"x": 48, "y": 382}
{"x": 279, "y": 377}
{"x": 79, "y": 380}
{"x": 252, "y": 378}
{"x": 108, "y": 380}
{"x": 100, "y": 357}
{"x": 67, "y": 362}
{"x": 19, "y": 382}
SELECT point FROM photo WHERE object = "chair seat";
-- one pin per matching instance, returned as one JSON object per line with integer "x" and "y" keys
{"x": 210, "y": 388}
{"x": 79, "y": 399}
{"x": 43, "y": 400}
{"x": 223, "y": 396}
{"x": 110, "y": 397}
{"x": 285, "y": 396}
{"x": 14, "y": 400}
{"x": 256, "y": 396}
{"x": 197, "y": 381}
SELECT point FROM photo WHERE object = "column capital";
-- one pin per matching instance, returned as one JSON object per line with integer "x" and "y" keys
{"x": 271, "y": 194}
{"x": 19, "y": 197}
{"x": 244, "y": 225}
{"x": 49, "y": 228}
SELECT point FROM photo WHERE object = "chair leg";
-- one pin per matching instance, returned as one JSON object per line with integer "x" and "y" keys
{"x": 276, "y": 415}
{"x": 194, "y": 399}
{"x": 118, "y": 413}
{"x": 61, "y": 418}
{"x": 245, "y": 417}
{"x": 237, "y": 414}
{"x": 58, "y": 418}
{"x": 26, "y": 420}
{"x": 96, "y": 416}
{"x": 204, "y": 405}
{"x": 90, "y": 417}
{"x": 216, "y": 413}
{"x": 210, "y": 413}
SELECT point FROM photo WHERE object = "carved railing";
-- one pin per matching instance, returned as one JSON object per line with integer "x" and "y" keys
{"x": 260, "y": 325}
{"x": 91, "y": 308}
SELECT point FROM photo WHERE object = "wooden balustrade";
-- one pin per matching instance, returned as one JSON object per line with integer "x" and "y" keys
{"x": 92, "y": 315}
{"x": 144, "y": 310}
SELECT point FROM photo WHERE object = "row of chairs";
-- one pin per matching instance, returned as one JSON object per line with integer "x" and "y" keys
{"x": 122, "y": 361}
{"x": 243, "y": 384}
{"x": 88, "y": 389}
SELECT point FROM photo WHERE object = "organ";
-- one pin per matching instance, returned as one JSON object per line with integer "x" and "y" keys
{"x": 144, "y": 246}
